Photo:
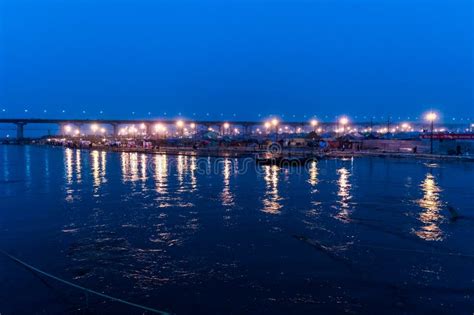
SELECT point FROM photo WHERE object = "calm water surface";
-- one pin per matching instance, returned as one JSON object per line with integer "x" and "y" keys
{"x": 222, "y": 236}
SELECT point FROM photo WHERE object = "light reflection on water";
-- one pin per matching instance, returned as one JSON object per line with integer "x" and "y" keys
{"x": 161, "y": 174}
{"x": 431, "y": 210}
{"x": 344, "y": 194}
{"x": 69, "y": 165}
{"x": 152, "y": 224}
{"x": 313, "y": 173}
{"x": 272, "y": 200}
{"x": 227, "y": 195}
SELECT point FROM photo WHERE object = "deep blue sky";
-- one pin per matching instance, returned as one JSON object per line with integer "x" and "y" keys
{"x": 248, "y": 57}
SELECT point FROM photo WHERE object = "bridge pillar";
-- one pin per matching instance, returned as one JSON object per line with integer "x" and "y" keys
{"x": 148, "y": 129}
{"x": 248, "y": 130}
{"x": 115, "y": 129}
{"x": 20, "y": 130}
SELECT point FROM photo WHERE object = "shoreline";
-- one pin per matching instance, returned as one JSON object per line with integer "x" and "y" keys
{"x": 239, "y": 152}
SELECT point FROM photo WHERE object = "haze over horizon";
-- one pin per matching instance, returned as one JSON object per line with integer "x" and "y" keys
{"x": 236, "y": 59}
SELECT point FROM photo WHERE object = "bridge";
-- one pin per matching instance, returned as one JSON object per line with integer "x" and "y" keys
{"x": 247, "y": 126}
{"x": 116, "y": 123}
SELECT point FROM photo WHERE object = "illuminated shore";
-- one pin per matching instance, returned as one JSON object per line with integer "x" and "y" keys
{"x": 242, "y": 152}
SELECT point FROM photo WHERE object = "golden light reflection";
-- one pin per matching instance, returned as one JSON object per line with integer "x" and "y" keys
{"x": 226, "y": 196}
{"x": 95, "y": 167}
{"x": 143, "y": 162}
{"x": 192, "y": 169}
{"x": 272, "y": 199}
{"x": 69, "y": 170}
{"x": 103, "y": 157}
{"x": 78, "y": 166}
{"x": 129, "y": 166}
{"x": 313, "y": 173}
{"x": 431, "y": 205}
{"x": 180, "y": 169}
{"x": 125, "y": 162}
{"x": 161, "y": 174}
{"x": 344, "y": 194}
{"x": 133, "y": 171}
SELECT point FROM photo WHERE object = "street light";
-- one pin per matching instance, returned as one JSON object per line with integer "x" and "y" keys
{"x": 226, "y": 127}
{"x": 94, "y": 128}
{"x": 431, "y": 117}
{"x": 343, "y": 121}
{"x": 180, "y": 125}
{"x": 314, "y": 123}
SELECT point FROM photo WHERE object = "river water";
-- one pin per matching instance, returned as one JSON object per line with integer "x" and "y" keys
{"x": 224, "y": 236}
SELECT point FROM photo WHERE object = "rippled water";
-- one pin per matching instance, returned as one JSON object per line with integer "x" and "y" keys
{"x": 205, "y": 235}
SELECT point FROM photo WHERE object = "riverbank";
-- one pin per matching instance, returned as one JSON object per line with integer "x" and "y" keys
{"x": 241, "y": 152}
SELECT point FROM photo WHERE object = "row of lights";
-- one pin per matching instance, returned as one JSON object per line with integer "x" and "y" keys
{"x": 343, "y": 122}
{"x": 259, "y": 115}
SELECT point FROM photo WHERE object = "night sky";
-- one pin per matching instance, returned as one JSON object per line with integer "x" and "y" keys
{"x": 240, "y": 59}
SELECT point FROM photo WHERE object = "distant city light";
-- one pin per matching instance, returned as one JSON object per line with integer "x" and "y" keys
{"x": 314, "y": 122}
{"x": 67, "y": 129}
{"x": 344, "y": 121}
{"x": 226, "y": 125}
{"x": 267, "y": 125}
{"x": 180, "y": 123}
{"x": 192, "y": 125}
{"x": 275, "y": 122}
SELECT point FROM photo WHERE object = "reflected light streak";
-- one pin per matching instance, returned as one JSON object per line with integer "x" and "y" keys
{"x": 313, "y": 174}
{"x": 430, "y": 216}
{"x": 180, "y": 169}
{"x": 143, "y": 167}
{"x": 344, "y": 194}
{"x": 103, "y": 157}
{"x": 78, "y": 166}
{"x": 129, "y": 167}
{"x": 133, "y": 167}
{"x": 68, "y": 164}
{"x": 192, "y": 169}
{"x": 161, "y": 174}
{"x": 226, "y": 196}
{"x": 95, "y": 168}
{"x": 271, "y": 201}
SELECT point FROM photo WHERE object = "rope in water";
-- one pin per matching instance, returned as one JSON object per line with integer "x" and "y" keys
{"x": 149, "y": 309}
